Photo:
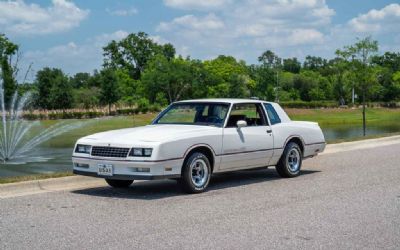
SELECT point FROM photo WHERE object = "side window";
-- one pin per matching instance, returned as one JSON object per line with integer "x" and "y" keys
{"x": 273, "y": 116}
{"x": 249, "y": 112}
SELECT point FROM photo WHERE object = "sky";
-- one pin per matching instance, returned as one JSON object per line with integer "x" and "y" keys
{"x": 70, "y": 34}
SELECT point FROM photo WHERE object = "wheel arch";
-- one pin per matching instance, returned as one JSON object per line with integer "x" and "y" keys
{"x": 206, "y": 149}
{"x": 298, "y": 140}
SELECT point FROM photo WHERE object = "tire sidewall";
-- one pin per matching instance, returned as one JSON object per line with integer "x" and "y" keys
{"x": 186, "y": 175}
{"x": 288, "y": 148}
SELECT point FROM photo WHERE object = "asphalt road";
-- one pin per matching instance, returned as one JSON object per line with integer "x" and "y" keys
{"x": 347, "y": 200}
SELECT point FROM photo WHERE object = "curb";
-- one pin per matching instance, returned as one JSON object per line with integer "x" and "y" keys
{"x": 79, "y": 182}
{"x": 48, "y": 185}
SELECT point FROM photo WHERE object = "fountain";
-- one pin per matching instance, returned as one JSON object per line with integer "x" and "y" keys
{"x": 17, "y": 146}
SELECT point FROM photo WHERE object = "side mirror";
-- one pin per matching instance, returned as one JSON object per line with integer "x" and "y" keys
{"x": 241, "y": 124}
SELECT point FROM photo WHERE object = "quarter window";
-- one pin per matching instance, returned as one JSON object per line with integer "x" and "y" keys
{"x": 249, "y": 112}
{"x": 273, "y": 116}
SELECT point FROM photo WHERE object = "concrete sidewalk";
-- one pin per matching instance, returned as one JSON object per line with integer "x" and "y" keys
{"x": 79, "y": 182}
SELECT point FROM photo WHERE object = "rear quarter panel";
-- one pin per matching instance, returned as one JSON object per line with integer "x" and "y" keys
{"x": 309, "y": 133}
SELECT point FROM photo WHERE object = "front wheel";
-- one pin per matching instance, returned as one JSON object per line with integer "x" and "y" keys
{"x": 119, "y": 183}
{"x": 196, "y": 173}
{"x": 290, "y": 163}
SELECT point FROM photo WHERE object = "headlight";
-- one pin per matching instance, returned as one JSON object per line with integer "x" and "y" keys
{"x": 142, "y": 152}
{"x": 83, "y": 149}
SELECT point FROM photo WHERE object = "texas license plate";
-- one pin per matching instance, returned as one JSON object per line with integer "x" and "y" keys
{"x": 105, "y": 169}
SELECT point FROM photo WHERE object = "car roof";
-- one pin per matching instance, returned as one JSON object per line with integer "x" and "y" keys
{"x": 225, "y": 100}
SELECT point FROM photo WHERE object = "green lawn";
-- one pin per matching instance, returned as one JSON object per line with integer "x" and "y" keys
{"x": 345, "y": 116}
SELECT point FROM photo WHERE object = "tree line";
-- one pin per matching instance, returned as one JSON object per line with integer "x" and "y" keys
{"x": 139, "y": 71}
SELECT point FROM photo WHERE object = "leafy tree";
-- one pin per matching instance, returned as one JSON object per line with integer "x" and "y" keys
{"x": 134, "y": 52}
{"x": 61, "y": 93}
{"x": 389, "y": 60}
{"x": 361, "y": 54}
{"x": 291, "y": 65}
{"x": 128, "y": 87}
{"x": 227, "y": 74}
{"x": 110, "y": 92}
{"x": 80, "y": 80}
{"x": 270, "y": 60}
{"x": 8, "y": 50}
{"x": 47, "y": 81}
{"x": 173, "y": 78}
{"x": 86, "y": 97}
{"x": 264, "y": 78}
{"x": 314, "y": 63}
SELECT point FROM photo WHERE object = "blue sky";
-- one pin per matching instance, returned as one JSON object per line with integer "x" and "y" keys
{"x": 70, "y": 34}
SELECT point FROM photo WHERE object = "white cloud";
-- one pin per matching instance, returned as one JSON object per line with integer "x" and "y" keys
{"x": 209, "y": 22}
{"x": 246, "y": 28}
{"x": 384, "y": 20}
{"x": 123, "y": 12}
{"x": 18, "y": 17}
{"x": 197, "y": 4}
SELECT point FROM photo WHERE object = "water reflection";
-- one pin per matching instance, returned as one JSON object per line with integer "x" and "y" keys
{"x": 351, "y": 131}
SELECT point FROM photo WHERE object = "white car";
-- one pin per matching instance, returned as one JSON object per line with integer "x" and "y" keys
{"x": 190, "y": 140}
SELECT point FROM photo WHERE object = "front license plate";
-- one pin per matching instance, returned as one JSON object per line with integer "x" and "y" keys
{"x": 105, "y": 169}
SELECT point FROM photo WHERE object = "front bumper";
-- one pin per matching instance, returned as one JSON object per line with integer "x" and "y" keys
{"x": 127, "y": 170}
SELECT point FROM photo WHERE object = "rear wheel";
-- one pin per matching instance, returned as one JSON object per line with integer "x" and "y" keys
{"x": 119, "y": 183}
{"x": 290, "y": 163}
{"x": 196, "y": 173}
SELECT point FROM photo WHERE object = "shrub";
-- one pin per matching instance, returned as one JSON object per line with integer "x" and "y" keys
{"x": 143, "y": 105}
{"x": 311, "y": 104}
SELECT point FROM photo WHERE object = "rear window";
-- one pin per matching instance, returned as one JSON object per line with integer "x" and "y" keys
{"x": 273, "y": 116}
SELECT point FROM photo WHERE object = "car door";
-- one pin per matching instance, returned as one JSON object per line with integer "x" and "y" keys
{"x": 248, "y": 146}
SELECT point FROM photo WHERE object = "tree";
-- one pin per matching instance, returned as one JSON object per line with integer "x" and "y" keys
{"x": 86, "y": 97}
{"x": 389, "y": 60}
{"x": 110, "y": 92}
{"x": 229, "y": 76}
{"x": 291, "y": 65}
{"x": 61, "y": 93}
{"x": 173, "y": 78}
{"x": 272, "y": 61}
{"x": 8, "y": 67}
{"x": 361, "y": 54}
{"x": 80, "y": 80}
{"x": 50, "y": 84}
{"x": 314, "y": 63}
{"x": 134, "y": 52}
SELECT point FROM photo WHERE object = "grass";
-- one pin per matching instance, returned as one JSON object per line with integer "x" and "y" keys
{"x": 345, "y": 116}
{"x": 34, "y": 177}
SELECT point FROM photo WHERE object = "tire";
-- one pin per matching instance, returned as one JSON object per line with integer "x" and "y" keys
{"x": 119, "y": 183}
{"x": 196, "y": 173}
{"x": 289, "y": 164}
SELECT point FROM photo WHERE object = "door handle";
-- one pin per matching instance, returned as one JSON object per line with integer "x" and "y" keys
{"x": 269, "y": 131}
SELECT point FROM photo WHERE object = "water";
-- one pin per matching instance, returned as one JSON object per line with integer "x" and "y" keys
{"x": 16, "y": 144}
{"x": 336, "y": 132}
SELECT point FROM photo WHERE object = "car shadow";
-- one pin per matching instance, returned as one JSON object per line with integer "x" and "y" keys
{"x": 151, "y": 190}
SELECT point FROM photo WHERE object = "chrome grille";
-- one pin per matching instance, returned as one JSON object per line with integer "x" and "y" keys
{"x": 110, "y": 151}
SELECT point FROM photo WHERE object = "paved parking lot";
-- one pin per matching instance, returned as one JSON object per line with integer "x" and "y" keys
{"x": 342, "y": 200}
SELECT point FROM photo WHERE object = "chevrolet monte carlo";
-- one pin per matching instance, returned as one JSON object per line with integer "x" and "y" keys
{"x": 190, "y": 140}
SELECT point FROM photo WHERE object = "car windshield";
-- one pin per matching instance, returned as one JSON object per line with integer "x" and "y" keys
{"x": 212, "y": 114}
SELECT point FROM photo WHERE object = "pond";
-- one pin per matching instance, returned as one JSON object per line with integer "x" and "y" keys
{"x": 61, "y": 156}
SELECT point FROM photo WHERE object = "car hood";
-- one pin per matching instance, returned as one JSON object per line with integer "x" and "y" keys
{"x": 150, "y": 133}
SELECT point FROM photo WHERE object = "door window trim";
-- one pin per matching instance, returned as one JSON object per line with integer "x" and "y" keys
{"x": 257, "y": 104}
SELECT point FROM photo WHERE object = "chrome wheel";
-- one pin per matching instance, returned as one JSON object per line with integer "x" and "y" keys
{"x": 199, "y": 172}
{"x": 293, "y": 160}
